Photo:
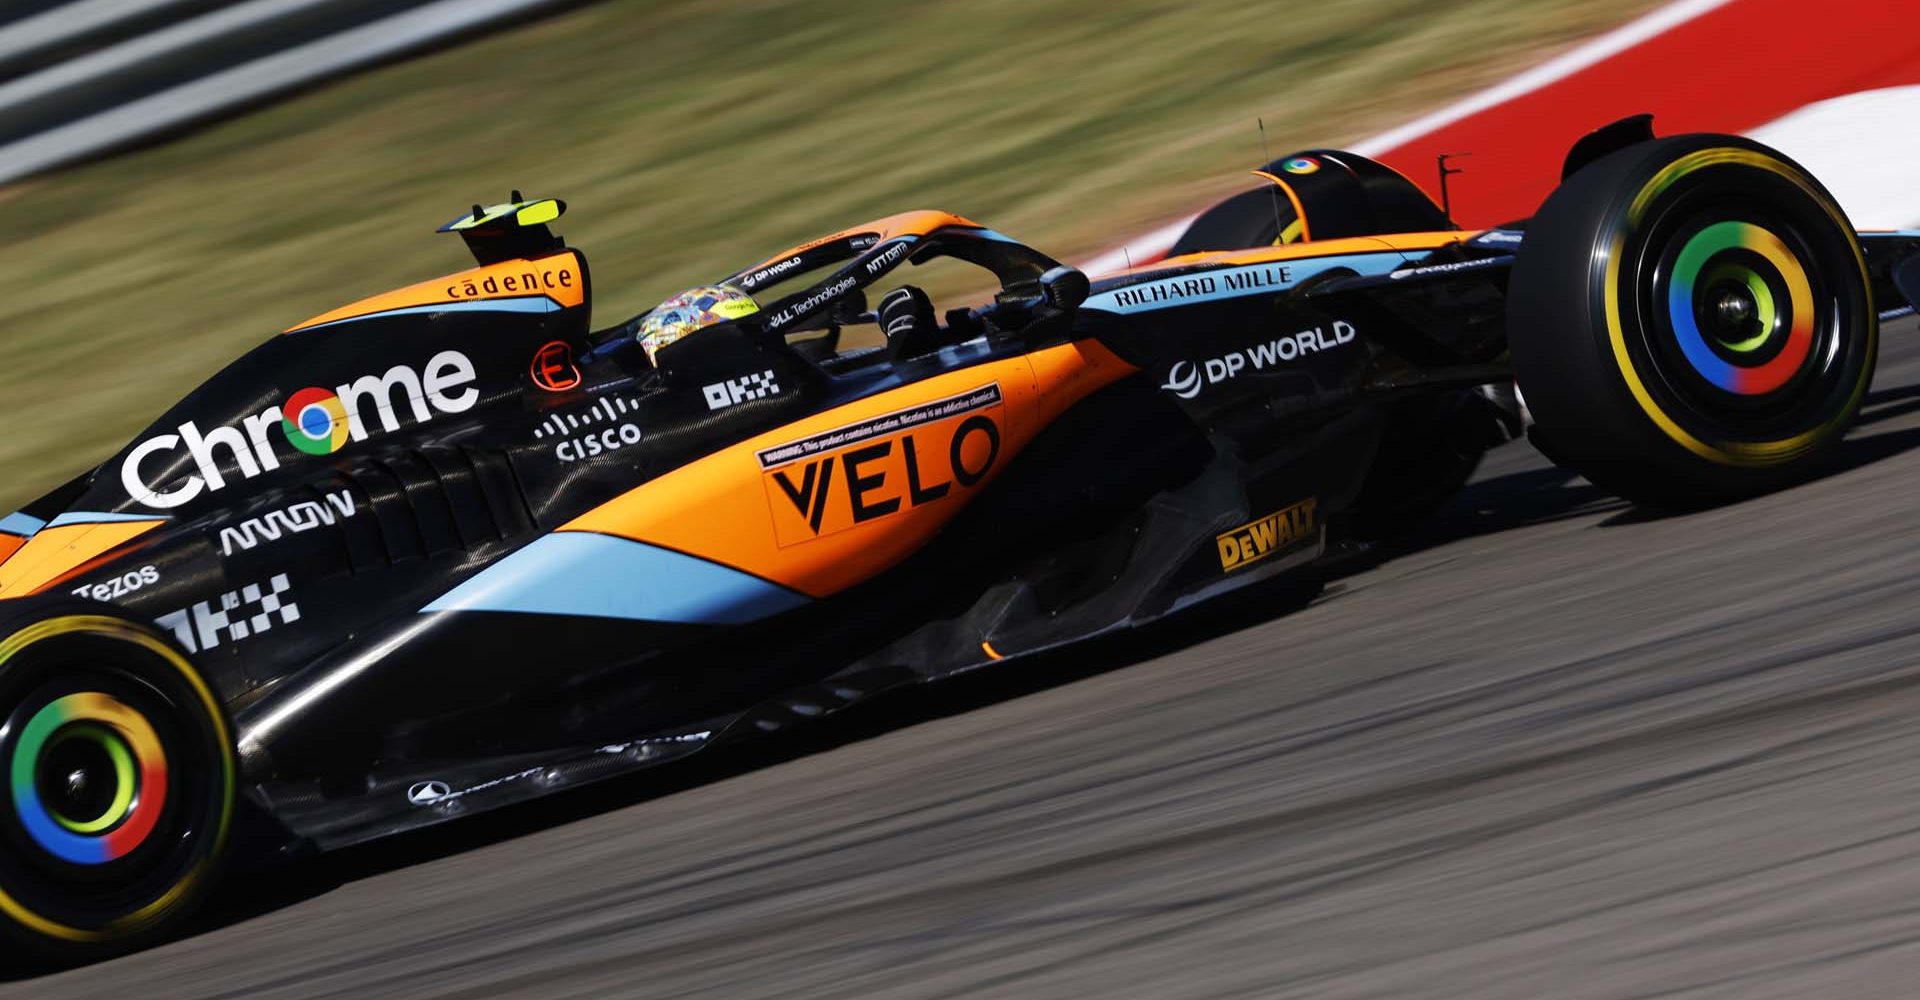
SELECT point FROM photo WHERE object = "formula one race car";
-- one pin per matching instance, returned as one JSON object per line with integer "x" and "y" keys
{"x": 447, "y": 548}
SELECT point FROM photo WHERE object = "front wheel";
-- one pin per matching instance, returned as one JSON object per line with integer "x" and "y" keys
{"x": 1691, "y": 322}
{"x": 120, "y": 781}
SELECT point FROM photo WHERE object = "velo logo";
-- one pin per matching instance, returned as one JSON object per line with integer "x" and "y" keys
{"x": 890, "y": 464}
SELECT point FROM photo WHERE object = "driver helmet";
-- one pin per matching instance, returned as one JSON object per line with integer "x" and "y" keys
{"x": 691, "y": 310}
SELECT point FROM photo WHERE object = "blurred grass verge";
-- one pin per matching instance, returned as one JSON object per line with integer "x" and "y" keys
{"x": 691, "y": 137}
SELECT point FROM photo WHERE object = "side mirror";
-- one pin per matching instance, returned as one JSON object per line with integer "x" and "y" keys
{"x": 1906, "y": 277}
{"x": 850, "y": 310}
{"x": 1064, "y": 288}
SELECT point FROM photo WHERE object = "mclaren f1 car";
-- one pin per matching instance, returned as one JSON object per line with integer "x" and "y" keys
{"x": 452, "y": 547}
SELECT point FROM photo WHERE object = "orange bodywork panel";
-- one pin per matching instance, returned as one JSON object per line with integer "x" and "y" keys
{"x": 918, "y": 223}
{"x": 827, "y": 502}
{"x": 1427, "y": 241}
{"x": 915, "y": 223}
{"x": 1419, "y": 242}
{"x": 559, "y": 277}
{"x": 56, "y": 554}
{"x": 1299, "y": 210}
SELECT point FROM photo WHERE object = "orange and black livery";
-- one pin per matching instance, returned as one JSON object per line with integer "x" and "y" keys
{"x": 454, "y": 546}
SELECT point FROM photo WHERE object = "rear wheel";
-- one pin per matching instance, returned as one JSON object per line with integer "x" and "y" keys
{"x": 120, "y": 782}
{"x": 1691, "y": 322}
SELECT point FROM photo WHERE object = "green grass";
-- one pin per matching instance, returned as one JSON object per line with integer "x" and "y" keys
{"x": 691, "y": 137}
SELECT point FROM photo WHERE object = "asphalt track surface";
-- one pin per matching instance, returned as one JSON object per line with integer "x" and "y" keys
{"x": 1555, "y": 748}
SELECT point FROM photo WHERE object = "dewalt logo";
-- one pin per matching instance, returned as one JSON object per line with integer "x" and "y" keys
{"x": 1252, "y": 542}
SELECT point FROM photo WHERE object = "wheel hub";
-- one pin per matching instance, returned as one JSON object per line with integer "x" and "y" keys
{"x": 80, "y": 778}
{"x": 1733, "y": 312}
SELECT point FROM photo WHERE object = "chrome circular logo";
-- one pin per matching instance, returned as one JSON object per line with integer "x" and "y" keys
{"x": 314, "y": 421}
{"x": 1301, "y": 165}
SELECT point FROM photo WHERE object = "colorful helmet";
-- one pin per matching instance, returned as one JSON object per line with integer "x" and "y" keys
{"x": 693, "y": 309}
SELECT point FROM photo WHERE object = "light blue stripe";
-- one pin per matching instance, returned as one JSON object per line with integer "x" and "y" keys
{"x": 524, "y": 304}
{"x": 20, "y": 524}
{"x": 98, "y": 517}
{"x": 1295, "y": 271}
{"x": 600, "y": 576}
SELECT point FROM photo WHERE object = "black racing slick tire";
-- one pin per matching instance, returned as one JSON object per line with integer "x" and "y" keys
{"x": 120, "y": 782}
{"x": 1691, "y": 322}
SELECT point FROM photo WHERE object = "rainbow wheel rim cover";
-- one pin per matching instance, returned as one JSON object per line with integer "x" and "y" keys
{"x": 135, "y": 749}
{"x": 1702, "y": 264}
{"x": 219, "y": 822}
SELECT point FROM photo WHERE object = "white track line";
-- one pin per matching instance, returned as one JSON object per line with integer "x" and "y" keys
{"x": 1546, "y": 74}
{"x": 1144, "y": 249}
{"x": 1873, "y": 178}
